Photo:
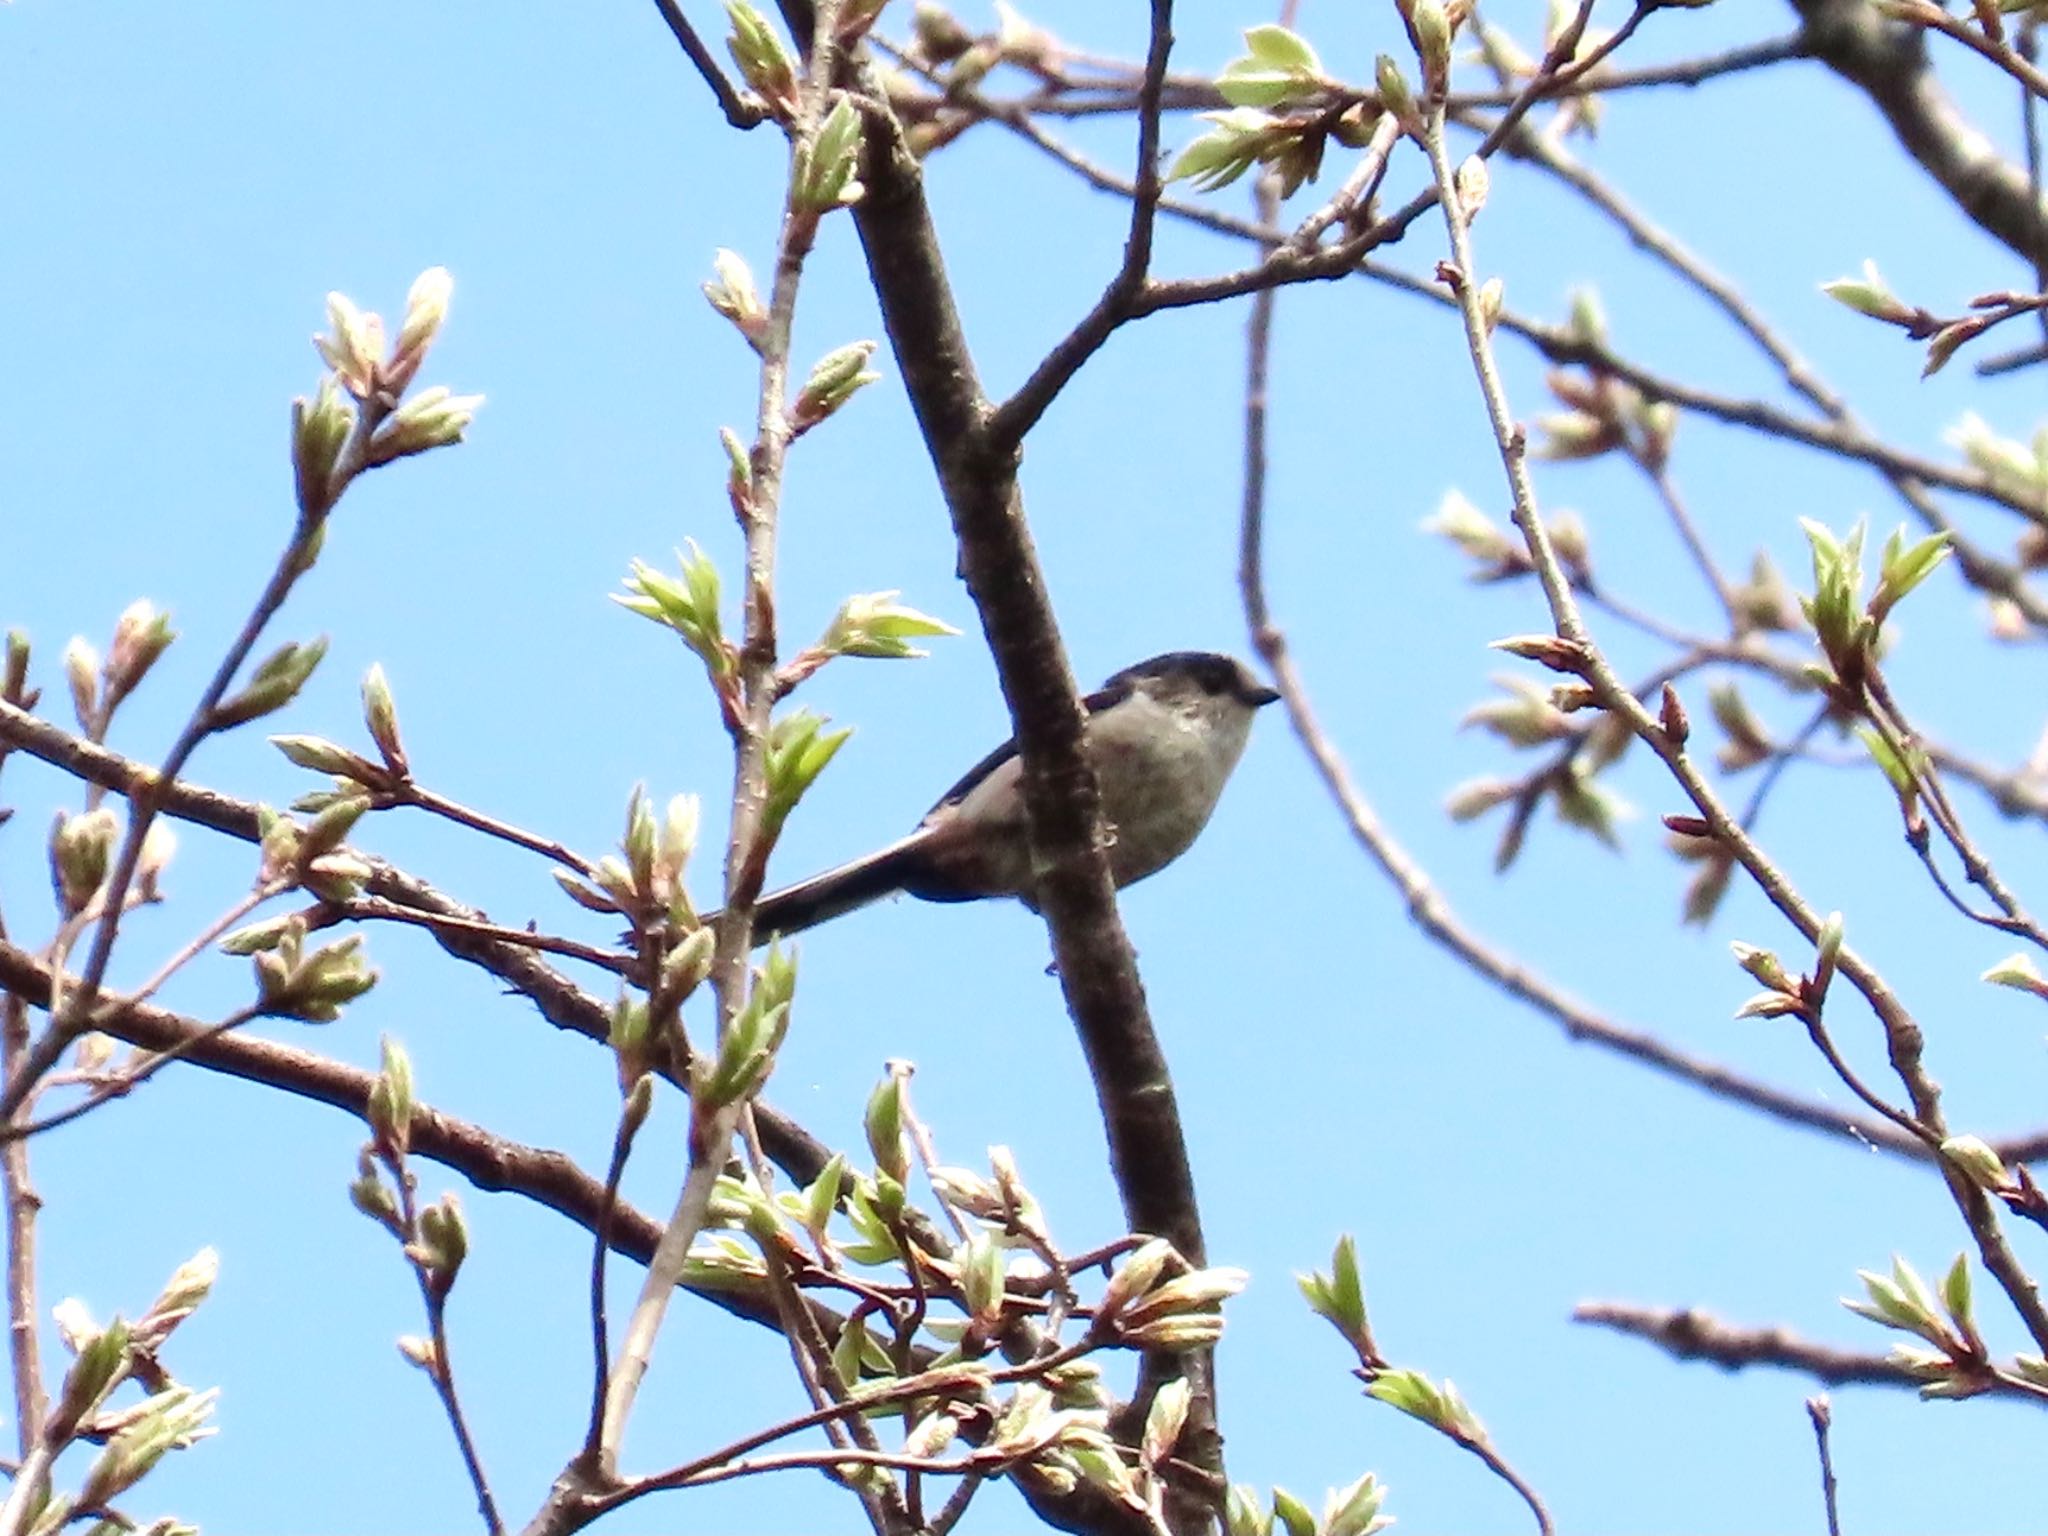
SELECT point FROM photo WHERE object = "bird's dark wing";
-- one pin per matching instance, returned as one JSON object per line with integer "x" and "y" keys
{"x": 1117, "y": 688}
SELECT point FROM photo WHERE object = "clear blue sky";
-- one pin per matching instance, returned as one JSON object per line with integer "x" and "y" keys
{"x": 186, "y": 183}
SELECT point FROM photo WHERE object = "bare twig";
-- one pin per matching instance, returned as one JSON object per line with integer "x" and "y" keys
{"x": 739, "y": 111}
{"x": 1822, "y": 1416}
{"x": 1689, "y": 1334}
{"x": 2000, "y": 55}
{"x": 23, "y": 1204}
{"x": 125, "y": 1082}
{"x": 408, "y": 793}
{"x": 1016, "y": 416}
{"x": 440, "y": 1370}
{"x": 377, "y": 909}
{"x": 144, "y": 801}
{"x": 1097, "y": 971}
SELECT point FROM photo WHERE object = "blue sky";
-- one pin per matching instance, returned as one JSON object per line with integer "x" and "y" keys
{"x": 189, "y": 182}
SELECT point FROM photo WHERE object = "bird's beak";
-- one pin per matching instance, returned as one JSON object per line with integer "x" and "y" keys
{"x": 1260, "y": 697}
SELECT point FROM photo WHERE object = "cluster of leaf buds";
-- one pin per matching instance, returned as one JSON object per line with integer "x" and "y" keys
{"x": 274, "y": 684}
{"x": 1846, "y": 627}
{"x": 688, "y": 606}
{"x": 1339, "y": 1299}
{"x": 135, "y": 1438}
{"x": 823, "y": 176}
{"x": 646, "y": 881}
{"x": 799, "y": 747}
{"x": 1431, "y": 26}
{"x": 2017, "y": 471}
{"x": 311, "y": 857}
{"x": 746, "y": 1051}
{"x": 1353, "y": 1510}
{"x": 1064, "y": 1446}
{"x": 362, "y": 372}
{"x": 1605, "y": 414}
{"x": 294, "y": 983}
{"x": 1800, "y": 996}
{"x": 1956, "y": 1362}
{"x": 1283, "y": 111}
{"x": 835, "y": 379}
{"x": 1143, "y": 1310}
{"x": 1869, "y": 294}
{"x": 141, "y": 635}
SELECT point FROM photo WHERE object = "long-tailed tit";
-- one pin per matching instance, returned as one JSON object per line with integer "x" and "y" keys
{"x": 1162, "y": 737}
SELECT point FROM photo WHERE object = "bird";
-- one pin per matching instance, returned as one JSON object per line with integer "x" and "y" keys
{"x": 1162, "y": 735}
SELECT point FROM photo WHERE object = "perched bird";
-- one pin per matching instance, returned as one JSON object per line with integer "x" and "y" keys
{"x": 1162, "y": 737}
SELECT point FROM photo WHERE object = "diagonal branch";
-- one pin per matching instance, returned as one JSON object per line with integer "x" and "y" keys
{"x": 1688, "y": 1334}
{"x": 1017, "y": 415}
{"x": 560, "y": 1001}
{"x": 1887, "y": 61}
{"x": 739, "y": 110}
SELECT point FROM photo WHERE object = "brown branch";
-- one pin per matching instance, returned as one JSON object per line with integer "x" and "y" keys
{"x": 1909, "y": 481}
{"x": 1071, "y": 97}
{"x": 1822, "y": 1417}
{"x": 1999, "y": 55}
{"x": 145, "y": 799}
{"x": 1887, "y": 61}
{"x": 1433, "y": 914}
{"x": 999, "y": 561}
{"x": 491, "y": 1163}
{"x": 1097, "y": 970}
{"x": 560, "y": 1001}
{"x": 440, "y": 1371}
{"x": 739, "y": 110}
{"x": 374, "y": 909}
{"x": 1688, "y": 1334}
{"x": 1016, "y": 416}
{"x": 1911, "y": 475}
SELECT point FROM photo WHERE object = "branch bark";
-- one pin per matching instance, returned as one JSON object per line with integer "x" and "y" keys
{"x": 1887, "y": 61}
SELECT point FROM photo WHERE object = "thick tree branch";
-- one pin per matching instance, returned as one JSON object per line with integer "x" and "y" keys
{"x": 1000, "y": 564}
{"x": 1887, "y": 61}
{"x": 978, "y": 476}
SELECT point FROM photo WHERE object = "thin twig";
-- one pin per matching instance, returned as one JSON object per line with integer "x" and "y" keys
{"x": 739, "y": 111}
{"x": 377, "y": 909}
{"x": 142, "y": 809}
{"x": 1016, "y": 416}
{"x": 353, "y": 457}
{"x": 1115, "y": 93}
{"x": 1689, "y": 1334}
{"x": 23, "y": 1204}
{"x": 409, "y": 793}
{"x": 125, "y": 1082}
{"x": 1998, "y": 55}
{"x": 1822, "y": 1416}
{"x": 440, "y": 1370}
{"x": 600, "y": 1327}
{"x": 939, "y": 1382}
{"x": 560, "y": 1001}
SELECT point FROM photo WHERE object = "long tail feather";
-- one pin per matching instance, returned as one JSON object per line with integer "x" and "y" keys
{"x": 826, "y": 896}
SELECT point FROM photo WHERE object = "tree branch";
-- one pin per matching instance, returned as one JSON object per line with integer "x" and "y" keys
{"x": 1887, "y": 61}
